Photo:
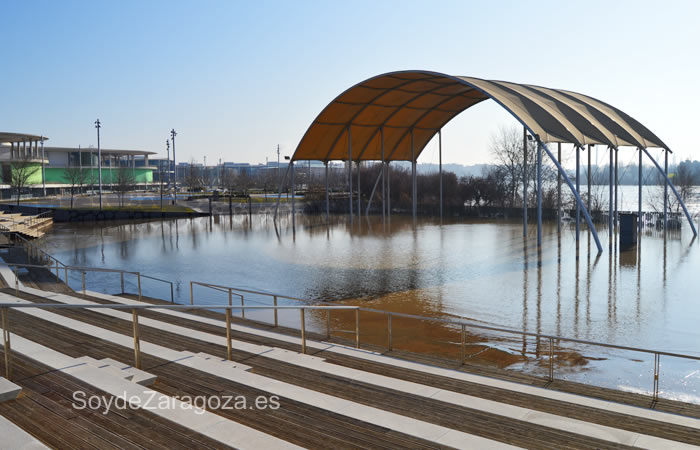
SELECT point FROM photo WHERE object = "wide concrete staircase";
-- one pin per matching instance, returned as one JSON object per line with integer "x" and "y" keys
{"x": 28, "y": 226}
{"x": 335, "y": 396}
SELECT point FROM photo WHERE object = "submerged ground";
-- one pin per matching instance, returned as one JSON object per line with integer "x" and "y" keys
{"x": 484, "y": 271}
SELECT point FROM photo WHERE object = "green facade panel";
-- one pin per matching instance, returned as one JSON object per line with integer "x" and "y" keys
{"x": 56, "y": 175}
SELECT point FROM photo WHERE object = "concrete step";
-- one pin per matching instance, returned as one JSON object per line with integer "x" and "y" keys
{"x": 225, "y": 362}
{"x": 15, "y": 438}
{"x": 218, "y": 367}
{"x": 196, "y": 419}
{"x": 429, "y": 369}
{"x": 138, "y": 376}
{"x": 239, "y": 374}
{"x": 392, "y": 421}
{"x": 8, "y": 390}
{"x": 121, "y": 370}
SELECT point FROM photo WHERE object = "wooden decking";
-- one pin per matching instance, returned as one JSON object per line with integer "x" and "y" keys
{"x": 28, "y": 226}
{"x": 342, "y": 373}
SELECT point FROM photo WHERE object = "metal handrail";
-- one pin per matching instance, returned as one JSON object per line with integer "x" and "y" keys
{"x": 5, "y": 322}
{"x": 28, "y": 244}
{"x": 526, "y": 333}
{"x": 234, "y": 291}
{"x": 83, "y": 271}
{"x": 172, "y": 294}
{"x": 463, "y": 324}
{"x": 248, "y": 291}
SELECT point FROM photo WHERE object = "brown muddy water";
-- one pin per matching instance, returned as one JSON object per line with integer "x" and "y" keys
{"x": 482, "y": 271}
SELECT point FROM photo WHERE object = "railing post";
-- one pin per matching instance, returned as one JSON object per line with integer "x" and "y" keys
{"x": 83, "y": 276}
{"x": 551, "y": 359}
{"x": 242, "y": 308}
{"x": 65, "y": 273}
{"x": 328, "y": 324}
{"x": 464, "y": 342}
{"x": 172, "y": 295}
{"x": 137, "y": 343}
{"x": 274, "y": 299}
{"x": 6, "y": 341}
{"x": 138, "y": 279}
{"x": 390, "y": 344}
{"x": 357, "y": 328}
{"x": 191, "y": 294}
{"x": 57, "y": 277}
{"x": 228, "y": 334}
{"x": 230, "y": 301}
{"x": 122, "y": 279}
{"x": 657, "y": 367}
{"x": 303, "y": 331}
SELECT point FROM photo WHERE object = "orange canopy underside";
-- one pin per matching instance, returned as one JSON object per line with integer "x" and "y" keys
{"x": 395, "y": 110}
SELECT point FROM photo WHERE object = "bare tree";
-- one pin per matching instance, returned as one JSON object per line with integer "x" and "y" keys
{"x": 76, "y": 177}
{"x": 244, "y": 182}
{"x": 124, "y": 182}
{"x": 21, "y": 171}
{"x": 507, "y": 149}
{"x": 685, "y": 179}
{"x": 161, "y": 183}
{"x": 228, "y": 180}
{"x": 194, "y": 179}
{"x": 267, "y": 179}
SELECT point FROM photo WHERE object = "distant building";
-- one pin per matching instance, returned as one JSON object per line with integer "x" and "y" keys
{"x": 50, "y": 163}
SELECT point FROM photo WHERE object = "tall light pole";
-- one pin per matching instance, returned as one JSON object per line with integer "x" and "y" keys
{"x": 278, "y": 164}
{"x": 99, "y": 160}
{"x": 172, "y": 135}
{"x": 167, "y": 149}
{"x": 43, "y": 172}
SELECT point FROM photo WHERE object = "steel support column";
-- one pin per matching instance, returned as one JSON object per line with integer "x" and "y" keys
{"x": 665, "y": 190}
{"x": 588, "y": 179}
{"x": 388, "y": 189}
{"x": 293, "y": 201}
{"x": 539, "y": 197}
{"x": 559, "y": 189}
{"x": 359, "y": 197}
{"x": 578, "y": 191}
{"x": 413, "y": 176}
{"x": 371, "y": 195}
{"x": 381, "y": 134}
{"x": 350, "y": 170}
{"x": 440, "y": 166}
{"x": 327, "y": 201}
{"x": 524, "y": 182}
{"x": 639, "y": 204}
{"x": 579, "y": 202}
{"x": 617, "y": 183}
{"x": 610, "y": 197}
{"x": 675, "y": 192}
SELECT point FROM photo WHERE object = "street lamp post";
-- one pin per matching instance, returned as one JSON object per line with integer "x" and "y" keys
{"x": 167, "y": 149}
{"x": 99, "y": 160}
{"x": 173, "y": 134}
{"x": 43, "y": 172}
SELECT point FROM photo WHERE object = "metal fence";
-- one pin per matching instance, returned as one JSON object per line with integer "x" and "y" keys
{"x": 463, "y": 326}
{"x": 6, "y": 307}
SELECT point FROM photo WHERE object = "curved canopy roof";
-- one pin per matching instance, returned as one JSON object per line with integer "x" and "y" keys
{"x": 395, "y": 103}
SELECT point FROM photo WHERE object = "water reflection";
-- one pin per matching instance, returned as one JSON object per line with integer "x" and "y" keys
{"x": 484, "y": 271}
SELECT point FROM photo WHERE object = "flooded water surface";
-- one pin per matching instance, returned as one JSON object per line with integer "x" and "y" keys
{"x": 482, "y": 271}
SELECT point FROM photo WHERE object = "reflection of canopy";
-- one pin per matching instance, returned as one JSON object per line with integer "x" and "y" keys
{"x": 424, "y": 102}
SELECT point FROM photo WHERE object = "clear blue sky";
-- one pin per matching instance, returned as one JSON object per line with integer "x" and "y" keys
{"x": 237, "y": 78}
